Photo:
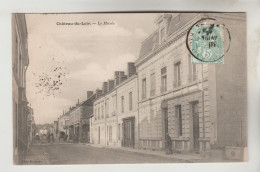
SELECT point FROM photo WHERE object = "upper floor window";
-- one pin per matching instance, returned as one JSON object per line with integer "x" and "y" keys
{"x": 107, "y": 108}
{"x": 130, "y": 101}
{"x": 122, "y": 104}
{"x": 163, "y": 80}
{"x": 177, "y": 74}
{"x": 192, "y": 71}
{"x": 102, "y": 111}
{"x": 152, "y": 79}
{"x": 144, "y": 88}
{"x": 114, "y": 106}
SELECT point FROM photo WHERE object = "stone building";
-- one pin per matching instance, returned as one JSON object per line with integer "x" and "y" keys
{"x": 62, "y": 125}
{"x": 79, "y": 119}
{"x": 115, "y": 111}
{"x": 200, "y": 106}
{"x": 20, "y": 62}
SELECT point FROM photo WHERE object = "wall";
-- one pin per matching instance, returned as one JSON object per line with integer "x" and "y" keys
{"x": 130, "y": 85}
{"x": 231, "y": 84}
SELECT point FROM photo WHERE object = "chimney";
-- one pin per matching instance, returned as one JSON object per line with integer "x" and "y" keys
{"x": 104, "y": 88}
{"x": 98, "y": 93}
{"x": 131, "y": 69}
{"x": 77, "y": 103}
{"x": 110, "y": 84}
{"x": 89, "y": 94}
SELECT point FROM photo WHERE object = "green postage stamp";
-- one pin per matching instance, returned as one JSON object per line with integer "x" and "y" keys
{"x": 206, "y": 43}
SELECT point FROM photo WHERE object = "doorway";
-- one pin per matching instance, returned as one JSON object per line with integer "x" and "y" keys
{"x": 128, "y": 132}
{"x": 195, "y": 115}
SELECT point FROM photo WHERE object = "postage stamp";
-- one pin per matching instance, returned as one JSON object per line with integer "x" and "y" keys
{"x": 206, "y": 43}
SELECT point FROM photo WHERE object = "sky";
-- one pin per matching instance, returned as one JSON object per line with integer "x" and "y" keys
{"x": 68, "y": 60}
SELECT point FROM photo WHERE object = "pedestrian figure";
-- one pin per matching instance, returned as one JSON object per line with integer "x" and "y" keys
{"x": 65, "y": 137}
{"x": 168, "y": 144}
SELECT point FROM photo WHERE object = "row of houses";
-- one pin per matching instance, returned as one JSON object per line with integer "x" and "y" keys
{"x": 24, "y": 127}
{"x": 200, "y": 107}
{"x": 73, "y": 124}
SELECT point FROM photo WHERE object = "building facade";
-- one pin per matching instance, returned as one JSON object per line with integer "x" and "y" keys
{"x": 63, "y": 125}
{"x": 115, "y": 120}
{"x": 20, "y": 62}
{"x": 79, "y": 119}
{"x": 186, "y": 101}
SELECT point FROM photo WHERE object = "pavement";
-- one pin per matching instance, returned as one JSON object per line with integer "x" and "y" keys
{"x": 191, "y": 157}
{"x": 60, "y": 152}
{"x": 69, "y": 153}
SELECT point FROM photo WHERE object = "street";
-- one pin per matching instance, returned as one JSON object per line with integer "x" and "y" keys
{"x": 68, "y": 153}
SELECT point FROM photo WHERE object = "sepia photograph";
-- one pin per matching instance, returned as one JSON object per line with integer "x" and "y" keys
{"x": 129, "y": 88}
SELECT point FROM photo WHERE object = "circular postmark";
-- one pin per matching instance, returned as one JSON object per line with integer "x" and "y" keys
{"x": 205, "y": 41}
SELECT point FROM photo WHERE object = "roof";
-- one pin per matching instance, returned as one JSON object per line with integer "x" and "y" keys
{"x": 174, "y": 25}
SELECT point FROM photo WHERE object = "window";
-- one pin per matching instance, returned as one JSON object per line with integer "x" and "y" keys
{"x": 192, "y": 71}
{"x": 179, "y": 119}
{"x": 130, "y": 101}
{"x": 152, "y": 92}
{"x": 95, "y": 113}
{"x": 114, "y": 106}
{"x": 107, "y": 108}
{"x": 177, "y": 74}
{"x": 122, "y": 104}
{"x": 163, "y": 80}
{"x": 144, "y": 88}
{"x": 98, "y": 113}
{"x": 102, "y": 111}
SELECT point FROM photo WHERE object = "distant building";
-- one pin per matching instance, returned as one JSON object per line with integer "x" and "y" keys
{"x": 63, "y": 125}
{"x": 78, "y": 119}
{"x": 20, "y": 62}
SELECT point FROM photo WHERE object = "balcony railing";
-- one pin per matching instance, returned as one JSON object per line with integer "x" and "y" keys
{"x": 177, "y": 83}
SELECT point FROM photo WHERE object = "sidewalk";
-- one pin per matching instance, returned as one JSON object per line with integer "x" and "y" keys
{"x": 178, "y": 156}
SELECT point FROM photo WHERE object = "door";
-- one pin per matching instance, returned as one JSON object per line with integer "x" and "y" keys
{"x": 128, "y": 132}
{"x": 195, "y": 115}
